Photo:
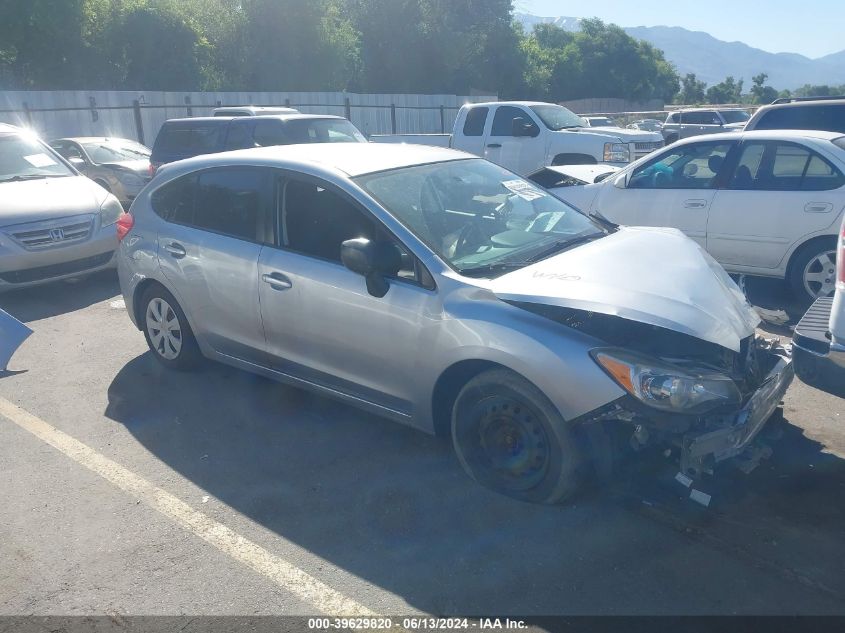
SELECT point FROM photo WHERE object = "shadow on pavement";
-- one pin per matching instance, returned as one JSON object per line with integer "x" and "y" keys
{"x": 391, "y": 505}
{"x": 42, "y": 302}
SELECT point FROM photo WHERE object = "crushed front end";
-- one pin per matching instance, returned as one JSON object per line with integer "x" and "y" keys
{"x": 704, "y": 400}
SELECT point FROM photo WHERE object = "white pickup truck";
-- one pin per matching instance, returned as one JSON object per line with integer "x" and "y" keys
{"x": 525, "y": 136}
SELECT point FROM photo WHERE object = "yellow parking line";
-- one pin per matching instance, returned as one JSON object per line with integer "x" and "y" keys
{"x": 287, "y": 576}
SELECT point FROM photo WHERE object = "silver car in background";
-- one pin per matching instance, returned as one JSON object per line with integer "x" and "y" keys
{"x": 444, "y": 292}
{"x": 54, "y": 222}
{"x": 120, "y": 166}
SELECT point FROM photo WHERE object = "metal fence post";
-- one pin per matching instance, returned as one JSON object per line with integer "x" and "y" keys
{"x": 393, "y": 117}
{"x": 27, "y": 113}
{"x": 287, "y": 103}
{"x": 139, "y": 122}
{"x": 188, "y": 104}
{"x": 347, "y": 108}
{"x": 442, "y": 119}
{"x": 95, "y": 116}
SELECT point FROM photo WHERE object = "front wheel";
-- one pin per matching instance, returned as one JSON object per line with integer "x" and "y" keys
{"x": 510, "y": 438}
{"x": 813, "y": 271}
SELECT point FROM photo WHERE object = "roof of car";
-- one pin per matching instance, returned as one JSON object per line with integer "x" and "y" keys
{"x": 710, "y": 109}
{"x": 353, "y": 159}
{"x": 770, "y": 135}
{"x": 225, "y": 119}
{"x": 92, "y": 139}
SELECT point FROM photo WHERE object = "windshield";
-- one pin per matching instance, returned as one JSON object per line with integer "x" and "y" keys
{"x": 557, "y": 117}
{"x": 735, "y": 116}
{"x": 323, "y": 131}
{"x": 113, "y": 151}
{"x": 600, "y": 122}
{"x": 23, "y": 158}
{"x": 477, "y": 216}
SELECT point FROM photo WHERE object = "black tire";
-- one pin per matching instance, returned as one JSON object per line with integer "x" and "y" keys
{"x": 800, "y": 261}
{"x": 511, "y": 439}
{"x": 188, "y": 356}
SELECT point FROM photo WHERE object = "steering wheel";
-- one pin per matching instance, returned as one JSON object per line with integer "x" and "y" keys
{"x": 469, "y": 239}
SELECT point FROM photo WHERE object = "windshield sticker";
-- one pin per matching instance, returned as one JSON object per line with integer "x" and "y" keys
{"x": 39, "y": 160}
{"x": 524, "y": 190}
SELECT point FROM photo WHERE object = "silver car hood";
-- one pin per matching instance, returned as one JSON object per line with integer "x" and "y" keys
{"x": 37, "y": 200}
{"x": 651, "y": 275}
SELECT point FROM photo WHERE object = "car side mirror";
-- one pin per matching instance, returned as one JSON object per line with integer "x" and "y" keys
{"x": 521, "y": 127}
{"x": 373, "y": 260}
{"x": 621, "y": 181}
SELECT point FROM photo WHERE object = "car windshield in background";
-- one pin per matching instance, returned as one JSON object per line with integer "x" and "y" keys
{"x": 115, "y": 151}
{"x": 323, "y": 131}
{"x": 23, "y": 158}
{"x": 478, "y": 217}
{"x": 735, "y": 116}
{"x": 601, "y": 122}
{"x": 557, "y": 117}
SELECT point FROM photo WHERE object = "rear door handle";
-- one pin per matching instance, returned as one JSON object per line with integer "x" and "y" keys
{"x": 494, "y": 145}
{"x": 695, "y": 204}
{"x": 176, "y": 250}
{"x": 818, "y": 207}
{"x": 277, "y": 280}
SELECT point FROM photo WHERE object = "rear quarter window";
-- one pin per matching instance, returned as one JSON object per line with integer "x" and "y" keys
{"x": 174, "y": 202}
{"x": 830, "y": 118}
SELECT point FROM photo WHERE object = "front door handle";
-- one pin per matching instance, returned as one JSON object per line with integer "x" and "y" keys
{"x": 818, "y": 207}
{"x": 494, "y": 145}
{"x": 176, "y": 250}
{"x": 277, "y": 280}
{"x": 695, "y": 204}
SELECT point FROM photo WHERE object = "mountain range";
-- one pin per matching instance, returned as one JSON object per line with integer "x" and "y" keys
{"x": 712, "y": 60}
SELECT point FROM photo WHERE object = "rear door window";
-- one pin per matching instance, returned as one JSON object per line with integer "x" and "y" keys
{"x": 191, "y": 139}
{"x": 174, "y": 202}
{"x": 475, "y": 121}
{"x": 781, "y": 166}
{"x": 234, "y": 202}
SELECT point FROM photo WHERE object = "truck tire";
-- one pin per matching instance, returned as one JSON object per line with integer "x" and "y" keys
{"x": 573, "y": 159}
{"x": 510, "y": 438}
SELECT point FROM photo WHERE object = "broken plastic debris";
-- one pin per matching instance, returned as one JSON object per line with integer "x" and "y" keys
{"x": 700, "y": 497}
{"x": 682, "y": 479}
{"x": 12, "y": 334}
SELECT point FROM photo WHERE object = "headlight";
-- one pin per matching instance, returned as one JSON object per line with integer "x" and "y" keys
{"x": 110, "y": 211}
{"x": 128, "y": 179}
{"x": 665, "y": 386}
{"x": 616, "y": 153}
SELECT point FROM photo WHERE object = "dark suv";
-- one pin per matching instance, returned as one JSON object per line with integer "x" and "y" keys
{"x": 806, "y": 113}
{"x": 686, "y": 123}
{"x": 183, "y": 138}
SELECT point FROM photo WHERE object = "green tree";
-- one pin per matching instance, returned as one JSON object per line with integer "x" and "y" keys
{"x": 728, "y": 91}
{"x": 760, "y": 92}
{"x": 692, "y": 90}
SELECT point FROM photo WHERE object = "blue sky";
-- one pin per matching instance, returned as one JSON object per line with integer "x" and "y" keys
{"x": 811, "y": 27}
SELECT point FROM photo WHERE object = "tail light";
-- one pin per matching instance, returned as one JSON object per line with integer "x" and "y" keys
{"x": 124, "y": 224}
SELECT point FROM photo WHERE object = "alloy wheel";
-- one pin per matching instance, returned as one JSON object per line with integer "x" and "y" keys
{"x": 820, "y": 275}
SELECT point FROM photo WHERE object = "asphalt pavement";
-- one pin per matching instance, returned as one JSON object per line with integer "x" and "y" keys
{"x": 130, "y": 489}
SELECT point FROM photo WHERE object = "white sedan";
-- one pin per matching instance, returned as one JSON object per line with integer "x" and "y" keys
{"x": 761, "y": 203}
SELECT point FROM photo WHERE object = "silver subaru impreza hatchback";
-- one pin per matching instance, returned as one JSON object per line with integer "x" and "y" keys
{"x": 442, "y": 291}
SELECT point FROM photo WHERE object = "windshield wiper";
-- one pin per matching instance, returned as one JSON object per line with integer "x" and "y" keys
{"x": 19, "y": 178}
{"x": 596, "y": 215}
{"x": 563, "y": 245}
{"x": 495, "y": 267}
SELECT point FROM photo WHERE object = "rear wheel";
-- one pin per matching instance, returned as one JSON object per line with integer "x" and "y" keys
{"x": 813, "y": 271}
{"x": 166, "y": 329}
{"x": 510, "y": 438}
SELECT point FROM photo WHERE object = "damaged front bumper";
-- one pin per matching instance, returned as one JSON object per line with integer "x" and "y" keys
{"x": 701, "y": 450}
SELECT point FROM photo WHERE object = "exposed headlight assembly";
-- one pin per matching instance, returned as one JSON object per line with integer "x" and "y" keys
{"x": 110, "y": 211}
{"x": 667, "y": 387}
{"x": 129, "y": 179}
{"x": 616, "y": 153}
